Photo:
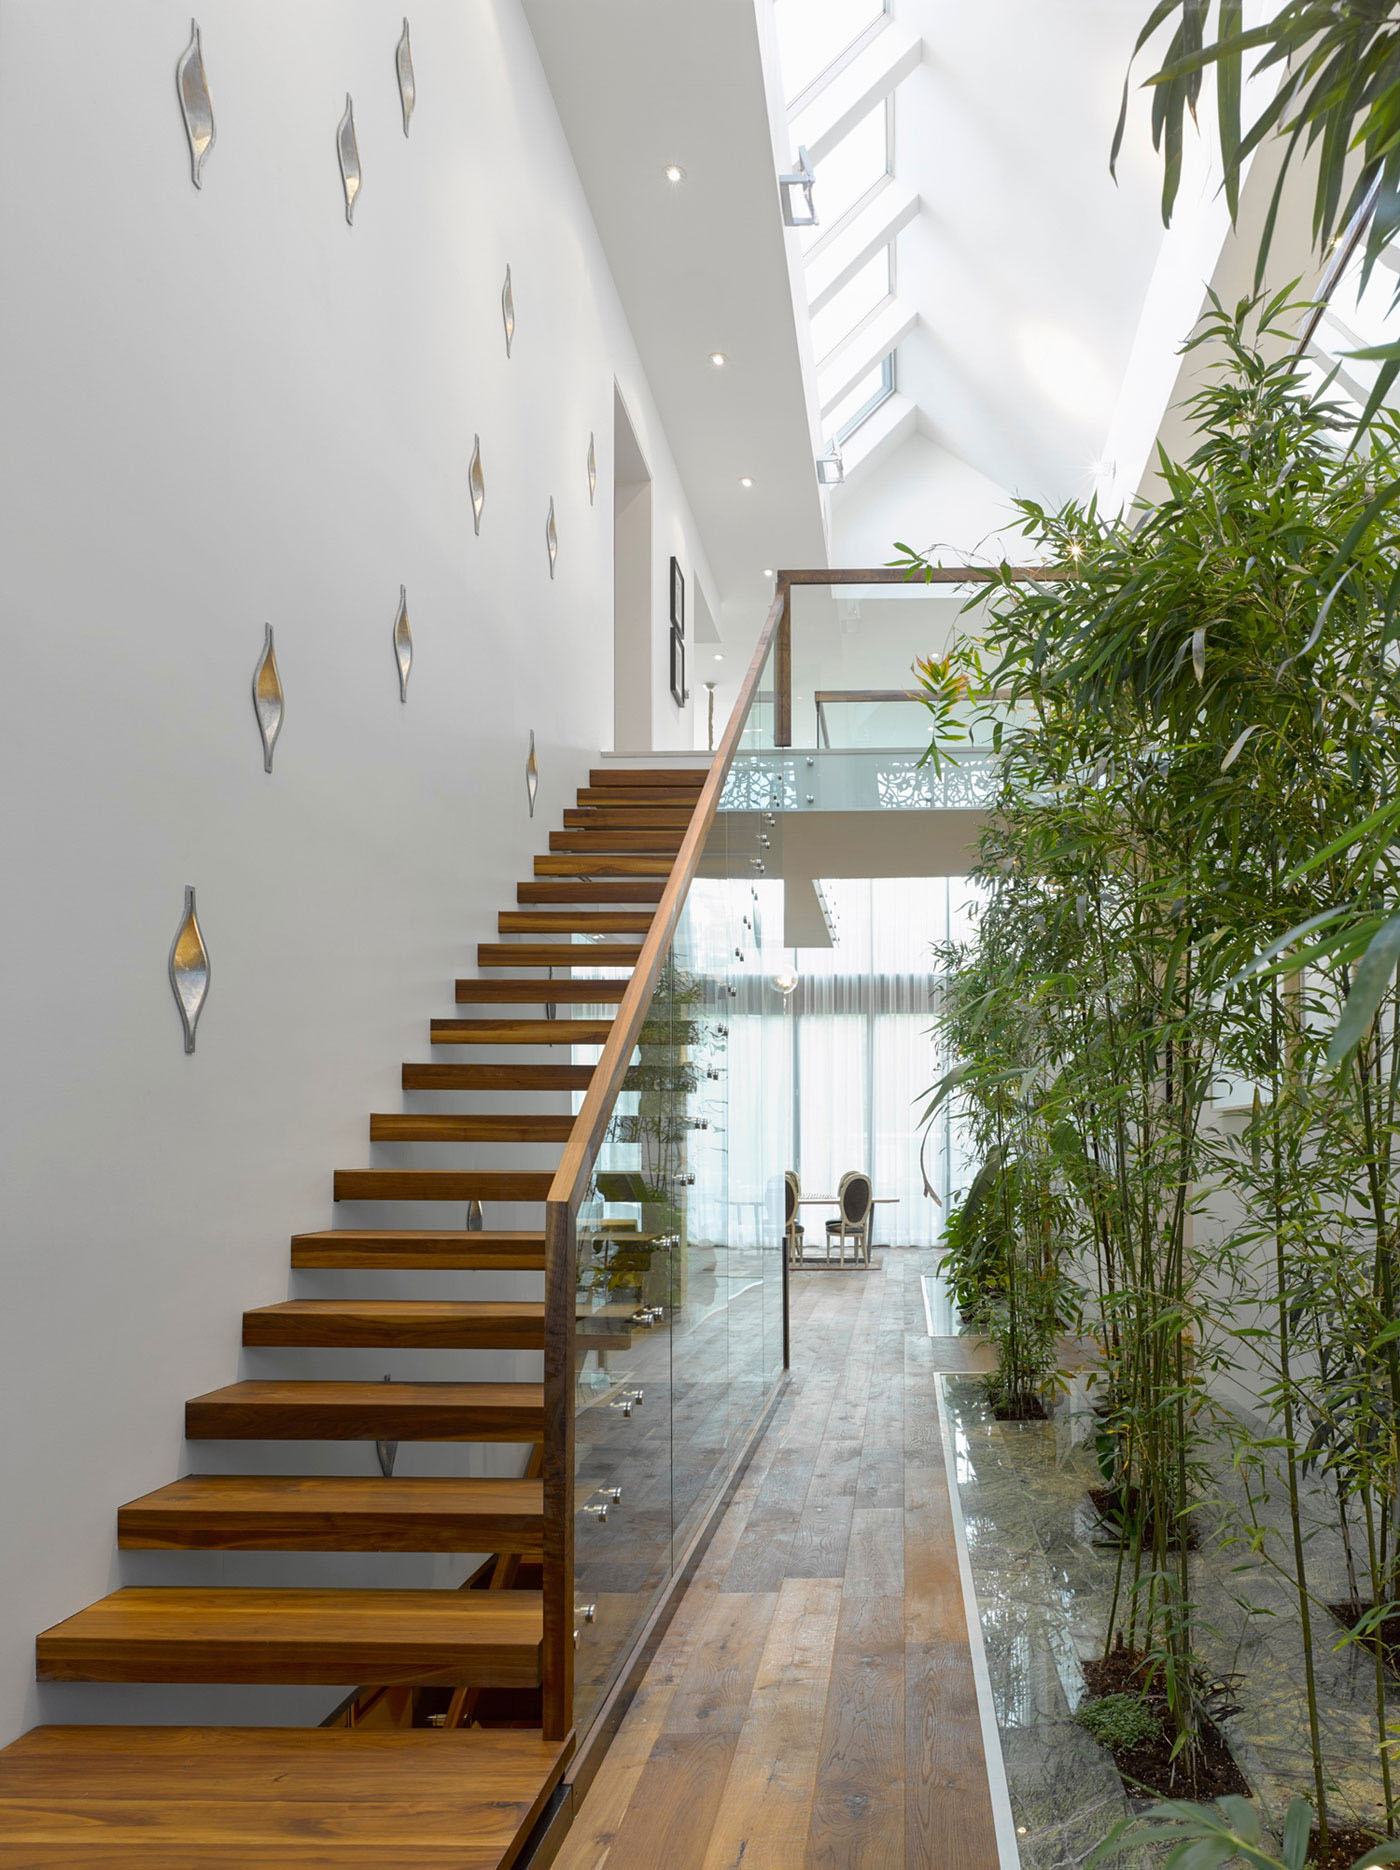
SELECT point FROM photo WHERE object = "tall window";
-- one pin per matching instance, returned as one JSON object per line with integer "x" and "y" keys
{"x": 863, "y": 1052}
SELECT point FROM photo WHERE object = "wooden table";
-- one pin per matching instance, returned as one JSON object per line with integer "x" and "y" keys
{"x": 834, "y": 1201}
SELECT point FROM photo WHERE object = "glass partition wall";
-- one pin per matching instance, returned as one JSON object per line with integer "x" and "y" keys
{"x": 680, "y": 1334}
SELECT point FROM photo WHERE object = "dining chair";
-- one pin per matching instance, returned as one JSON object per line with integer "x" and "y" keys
{"x": 792, "y": 1227}
{"x": 854, "y": 1197}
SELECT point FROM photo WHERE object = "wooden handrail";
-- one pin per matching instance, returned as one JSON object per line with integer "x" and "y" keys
{"x": 567, "y": 1191}
{"x": 570, "y": 1182}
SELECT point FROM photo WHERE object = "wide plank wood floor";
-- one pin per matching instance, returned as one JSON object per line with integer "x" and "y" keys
{"x": 813, "y": 1701}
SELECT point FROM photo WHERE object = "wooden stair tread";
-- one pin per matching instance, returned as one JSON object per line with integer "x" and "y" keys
{"x": 269, "y": 1798}
{"x": 438, "y": 1077}
{"x": 681, "y": 778}
{"x": 624, "y": 798}
{"x": 627, "y": 817}
{"x": 519, "y": 1031}
{"x": 441, "y": 1184}
{"x": 474, "y": 1127}
{"x": 408, "y": 1324}
{"x": 573, "y": 922}
{"x": 640, "y": 839}
{"x": 591, "y": 890}
{"x": 623, "y": 865}
{"x": 588, "y": 956}
{"x": 517, "y": 992}
{"x": 287, "y": 1409}
{"x": 319, "y": 1513}
{"x": 216, "y": 1634}
{"x": 416, "y": 1247}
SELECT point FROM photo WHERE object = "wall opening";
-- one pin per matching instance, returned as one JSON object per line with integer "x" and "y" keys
{"x": 632, "y": 587}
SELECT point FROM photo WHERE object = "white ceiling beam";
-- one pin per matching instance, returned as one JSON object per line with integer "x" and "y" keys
{"x": 868, "y": 345}
{"x": 856, "y": 89}
{"x": 893, "y": 422}
{"x": 894, "y": 207}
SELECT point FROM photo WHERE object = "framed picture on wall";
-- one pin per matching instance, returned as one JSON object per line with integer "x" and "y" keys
{"x": 678, "y": 688}
{"x": 677, "y": 599}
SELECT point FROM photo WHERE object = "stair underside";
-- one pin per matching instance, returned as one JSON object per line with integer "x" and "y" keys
{"x": 406, "y": 1324}
{"x": 270, "y": 1798}
{"x": 439, "y": 1077}
{"x": 318, "y": 1513}
{"x": 573, "y": 921}
{"x": 518, "y": 992}
{"x": 520, "y": 1031}
{"x": 422, "y": 1638}
{"x": 591, "y": 890}
{"x": 348, "y": 1411}
{"x": 416, "y": 1248}
{"x": 588, "y": 955}
{"x": 441, "y": 1185}
{"x": 396, "y": 1126}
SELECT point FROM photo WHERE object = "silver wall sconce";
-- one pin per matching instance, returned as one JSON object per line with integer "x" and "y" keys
{"x": 267, "y": 698}
{"x": 532, "y": 775}
{"x": 831, "y": 469}
{"x": 403, "y": 643}
{"x": 196, "y": 106}
{"x": 477, "y": 479}
{"x": 551, "y": 537}
{"x": 795, "y": 190}
{"x": 403, "y": 65}
{"x": 508, "y": 311}
{"x": 348, "y": 150}
{"x": 189, "y": 969}
{"x": 592, "y": 469}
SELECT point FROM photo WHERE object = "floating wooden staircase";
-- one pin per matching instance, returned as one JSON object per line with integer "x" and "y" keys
{"x": 173, "y": 1797}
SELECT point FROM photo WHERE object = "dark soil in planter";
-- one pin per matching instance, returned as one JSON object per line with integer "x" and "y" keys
{"x": 1385, "y": 1637}
{"x": 1028, "y": 1409}
{"x": 1150, "y": 1767}
{"x": 1344, "y": 1846}
{"x": 1118, "y": 1507}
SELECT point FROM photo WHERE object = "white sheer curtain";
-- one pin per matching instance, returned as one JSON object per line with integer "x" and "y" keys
{"x": 865, "y": 1057}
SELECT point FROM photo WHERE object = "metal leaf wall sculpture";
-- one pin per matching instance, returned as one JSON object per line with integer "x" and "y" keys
{"x": 478, "y": 485}
{"x": 592, "y": 469}
{"x": 532, "y": 774}
{"x": 196, "y": 106}
{"x": 348, "y": 150}
{"x": 267, "y": 698}
{"x": 403, "y": 643}
{"x": 508, "y": 311}
{"x": 551, "y": 537}
{"x": 403, "y": 65}
{"x": 189, "y": 969}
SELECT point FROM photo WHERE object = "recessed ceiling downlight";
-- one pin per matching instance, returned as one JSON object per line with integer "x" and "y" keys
{"x": 718, "y": 359}
{"x": 746, "y": 480}
{"x": 674, "y": 172}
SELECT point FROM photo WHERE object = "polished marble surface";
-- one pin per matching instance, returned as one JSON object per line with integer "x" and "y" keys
{"x": 1044, "y": 1585}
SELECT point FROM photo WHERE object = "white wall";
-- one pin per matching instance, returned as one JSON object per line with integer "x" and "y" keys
{"x": 223, "y": 408}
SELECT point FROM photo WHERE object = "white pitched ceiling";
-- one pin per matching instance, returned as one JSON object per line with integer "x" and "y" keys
{"x": 701, "y": 265}
{"x": 1019, "y": 269}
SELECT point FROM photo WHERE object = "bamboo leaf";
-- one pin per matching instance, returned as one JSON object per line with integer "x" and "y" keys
{"x": 1198, "y": 653}
{"x": 1296, "y": 1826}
{"x": 1368, "y": 988}
{"x": 1238, "y": 748}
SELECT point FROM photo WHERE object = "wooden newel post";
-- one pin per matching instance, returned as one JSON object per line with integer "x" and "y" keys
{"x": 782, "y": 670}
{"x": 560, "y": 1325}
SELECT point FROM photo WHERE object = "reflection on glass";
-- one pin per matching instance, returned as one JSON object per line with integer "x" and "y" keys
{"x": 679, "y": 1249}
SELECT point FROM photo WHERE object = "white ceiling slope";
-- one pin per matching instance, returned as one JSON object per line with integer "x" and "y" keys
{"x": 701, "y": 265}
{"x": 1020, "y": 272}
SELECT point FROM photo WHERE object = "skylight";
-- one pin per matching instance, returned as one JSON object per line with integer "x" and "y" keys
{"x": 858, "y": 163}
{"x": 813, "y": 34}
{"x": 839, "y": 317}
